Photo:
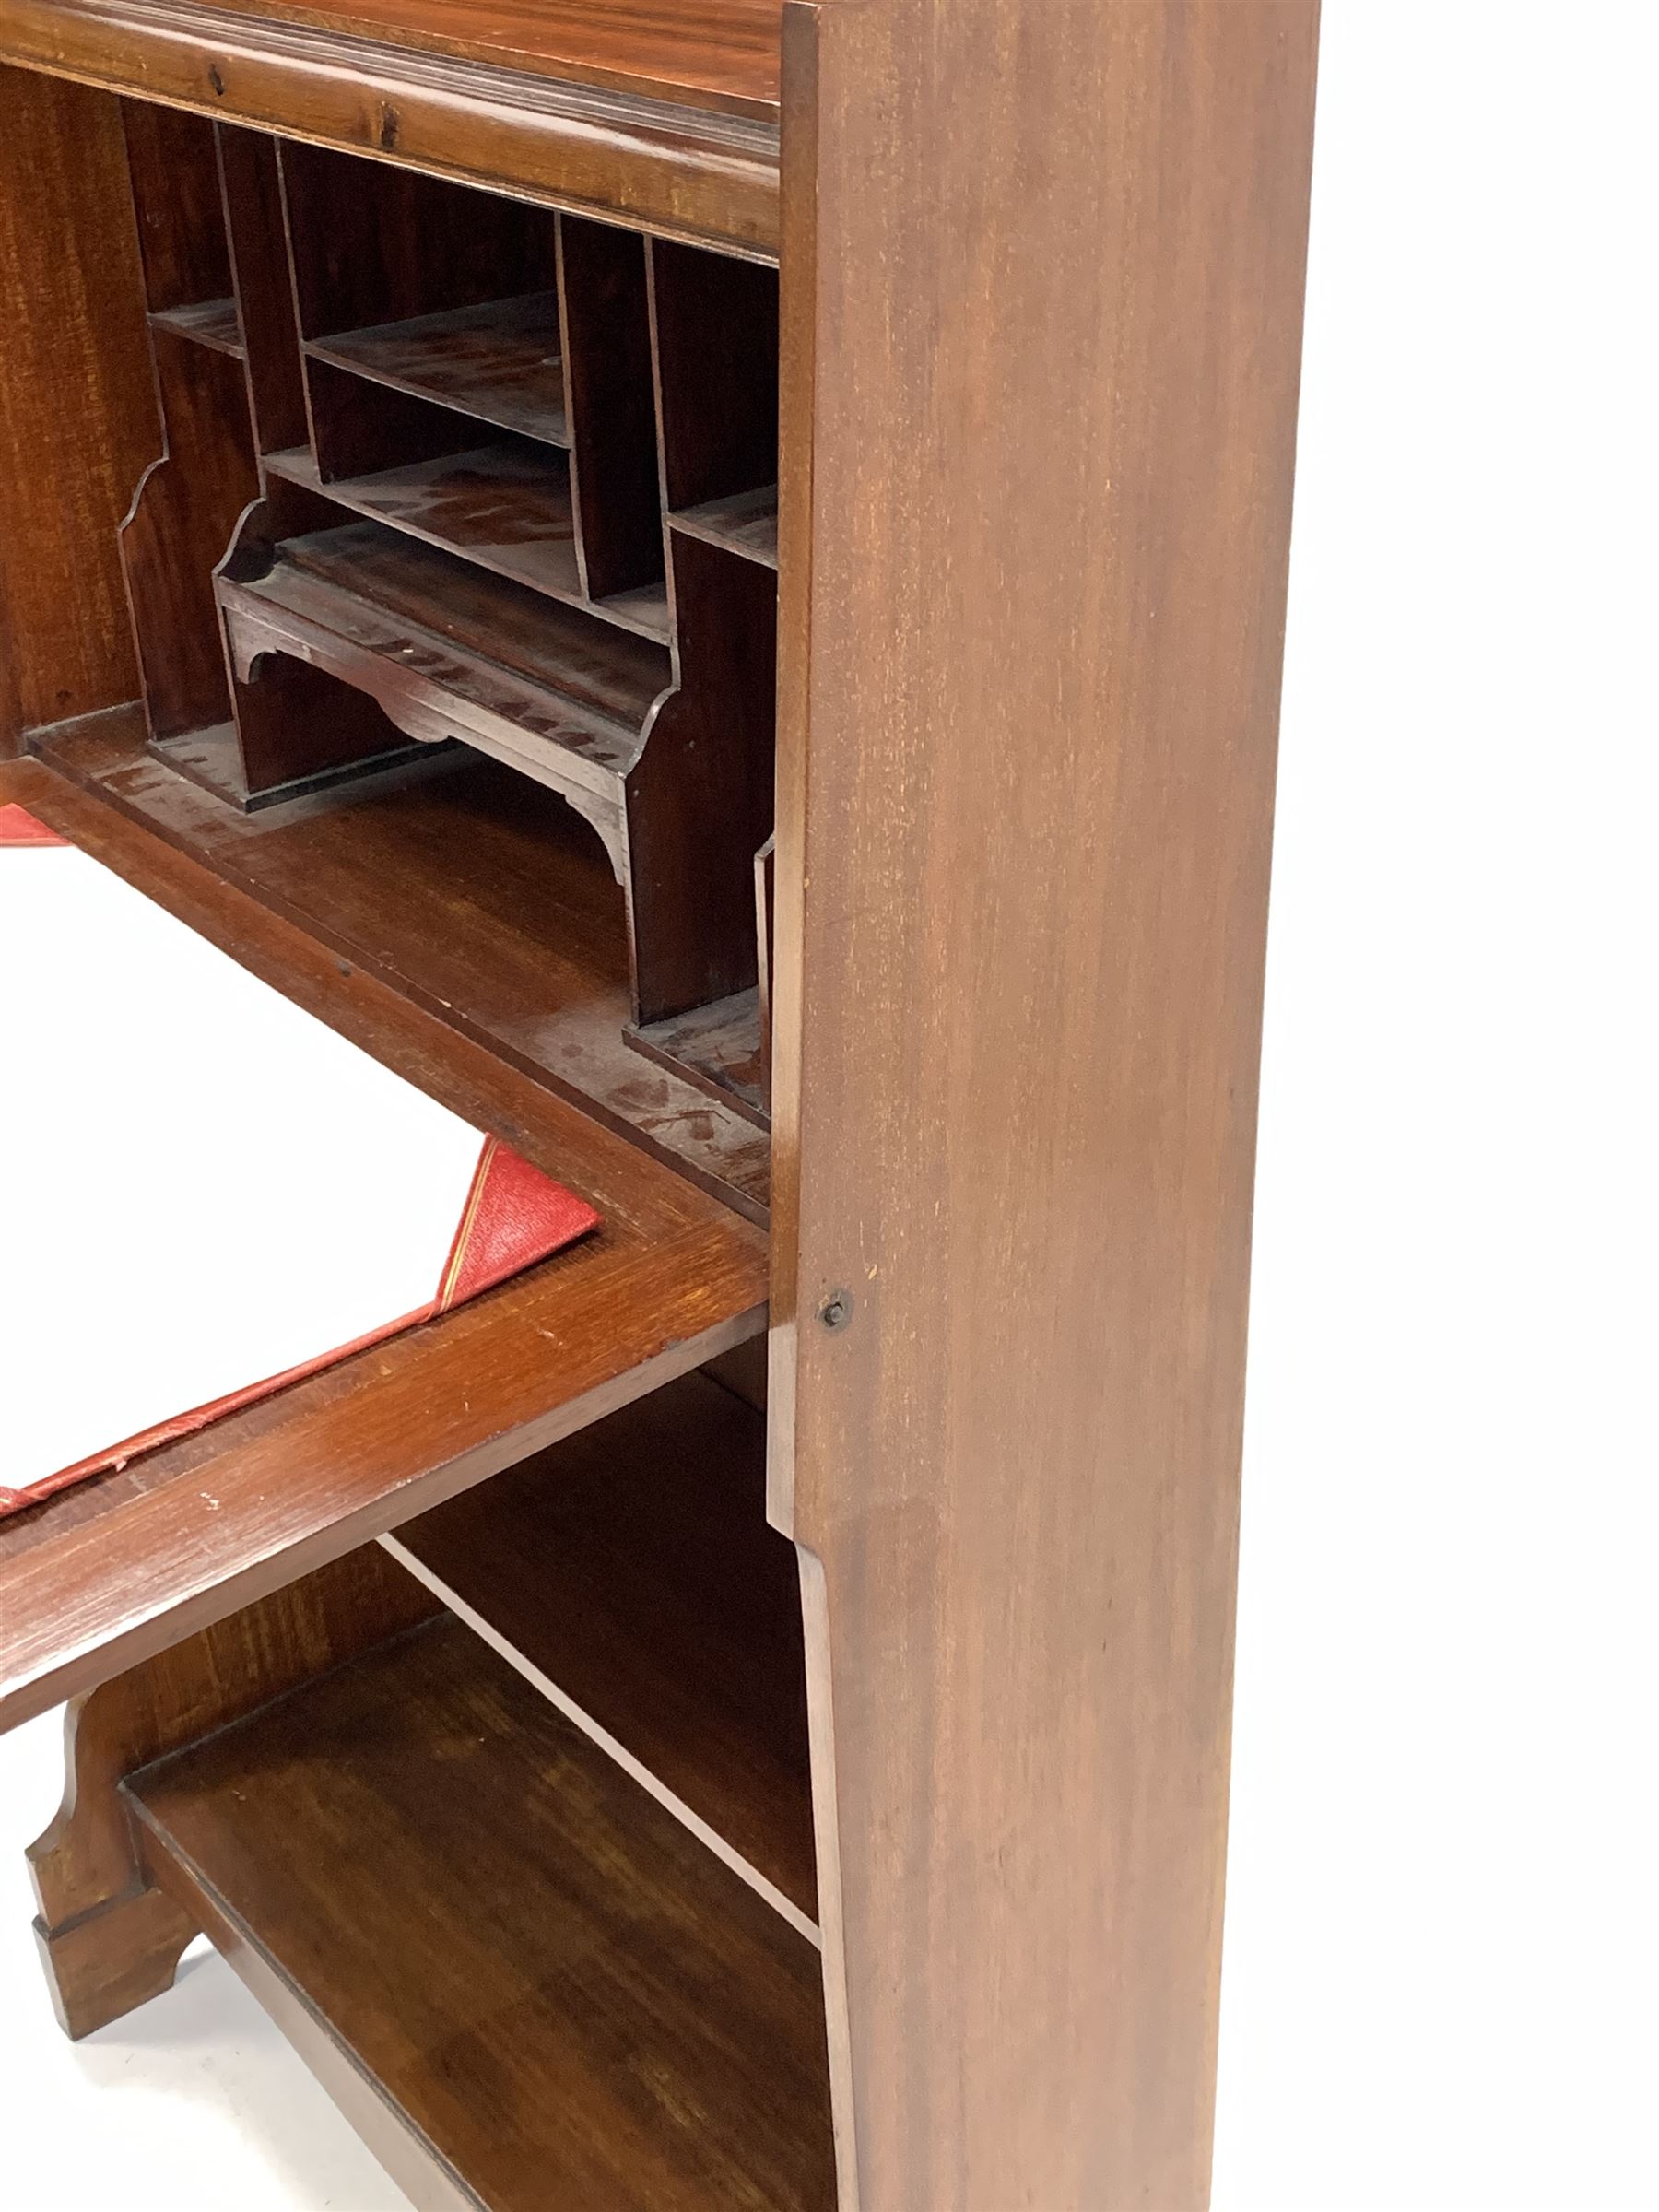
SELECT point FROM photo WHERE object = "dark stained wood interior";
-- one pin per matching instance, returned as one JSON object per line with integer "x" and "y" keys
{"x": 181, "y": 523}
{"x": 605, "y": 309}
{"x": 498, "y": 361}
{"x": 632, "y": 1567}
{"x": 701, "y": 802}
{"x": 563, "y": 1997}
{"x": 507, "y": 930}
{"x": 256, "y": 227}
{"x": 372, "y": 243}
{"x": 174, "y": 168}
{"x": 503, "y": 505}
{"x": 716, "y": 322}
{"x": 509, "y": 399}
{"x": 747, "y": 523}
{"x": 212, "y": 323}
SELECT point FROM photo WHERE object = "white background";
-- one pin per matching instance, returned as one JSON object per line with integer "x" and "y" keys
{"x": 1440, "y": 1970}
{"x": 359, "y": 1184}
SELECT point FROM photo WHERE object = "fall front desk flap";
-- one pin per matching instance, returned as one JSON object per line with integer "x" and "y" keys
{"x": 205, "y": 1193}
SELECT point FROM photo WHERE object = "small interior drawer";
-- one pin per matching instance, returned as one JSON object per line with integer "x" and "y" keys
{"x": 121, "y": 1565}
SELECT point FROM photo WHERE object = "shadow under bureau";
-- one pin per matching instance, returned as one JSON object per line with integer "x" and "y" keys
{"x": 705, "y": 580}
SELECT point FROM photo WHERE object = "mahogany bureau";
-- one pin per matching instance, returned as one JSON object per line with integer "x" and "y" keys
{"x": 706, "y": 579}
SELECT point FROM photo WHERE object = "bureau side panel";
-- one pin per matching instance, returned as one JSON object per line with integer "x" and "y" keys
{"x": 1043, "y": 278}
{"x": 77, "y": 419}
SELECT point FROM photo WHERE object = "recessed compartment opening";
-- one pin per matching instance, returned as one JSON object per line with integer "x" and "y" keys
{"x": 630, "y": 1575}
{"x": 442, "y": 506}
{"x": 477, "y": 1880}
{"x": 429, "y": 288}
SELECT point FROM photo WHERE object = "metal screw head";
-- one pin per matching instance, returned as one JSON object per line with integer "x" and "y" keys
{"x": 837, "y": 1309}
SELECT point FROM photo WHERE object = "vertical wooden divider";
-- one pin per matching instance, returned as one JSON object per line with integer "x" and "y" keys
{"x": 605, "y": 326}
{"x": 250, "y": 182}
{"x": 174, "y": 168}
{"x": 293, "y": 723}
{"x": 765, "y": 908}
{"x": 700, "y": 804}
{"x": 181, "y": 523}
{"x": 187, "y": 504}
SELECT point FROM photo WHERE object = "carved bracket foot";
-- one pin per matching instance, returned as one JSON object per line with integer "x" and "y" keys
{"x": 105, "y": 1963}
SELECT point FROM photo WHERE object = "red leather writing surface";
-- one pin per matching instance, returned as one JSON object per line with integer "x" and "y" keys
{"x": 18, "y": 827}
{"x": 514, "y": 1217}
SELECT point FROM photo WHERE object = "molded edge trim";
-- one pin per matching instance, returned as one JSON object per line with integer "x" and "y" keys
{"x": 691, "y": 174}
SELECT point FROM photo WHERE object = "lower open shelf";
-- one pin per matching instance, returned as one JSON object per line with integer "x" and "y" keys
{"x": 628, "y": 1573}
{"x": 527, "y": 1983}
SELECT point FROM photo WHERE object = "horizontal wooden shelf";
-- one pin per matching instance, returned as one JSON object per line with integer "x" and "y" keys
{"x": 117, "y": 1568}
{"x": 470, "y": 891}
{"x": 212, "y": 323}
{"x": 524, "y": 1978}
{"x": 719, "y": 1047}
{"x": 449, "y": 652}
{"x": 498, "y": 361}
{"x": 212, "y": 757}
{"x": 746, "y": 523}
{"x": 507, "y": 506}
{"x": 603, "y": 671}
{"x": 630, "y": 1573}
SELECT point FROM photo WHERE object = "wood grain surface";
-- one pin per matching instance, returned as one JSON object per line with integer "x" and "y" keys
{"x": 710, "y": 53}
{"x": 498, "y": 361}
{"x": 183, "y": 520}
{"x": 632, "y": 1567}
{"x": 692, "y": 161}
{"x": 450, "y": 1897}
{"x": 77, "y": 407}
{"x": 1042, "y": 276}
{"x": 251, "y": 191}
{"x": 1043, "y": 266}
{"x": 109, "y": 1940}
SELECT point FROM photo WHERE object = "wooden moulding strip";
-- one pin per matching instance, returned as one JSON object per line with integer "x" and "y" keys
{"x": 676, "y": 171}
{"x": 193, "y": 1532}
